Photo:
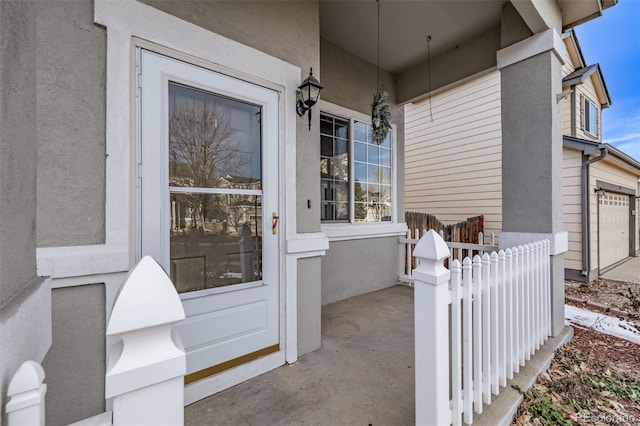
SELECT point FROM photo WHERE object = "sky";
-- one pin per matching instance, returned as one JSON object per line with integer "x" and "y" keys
{"x": 613, "y": 41}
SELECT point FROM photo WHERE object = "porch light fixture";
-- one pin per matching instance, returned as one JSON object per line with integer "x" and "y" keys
{"x": 600, "y": 192}
{"x": 310, "y": 92}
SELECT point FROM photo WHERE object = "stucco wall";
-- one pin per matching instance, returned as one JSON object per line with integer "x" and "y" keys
{"x": 17, "y": 147}
{"x": 351, "y": 268}
{"x": 351, "y": 82}
{"x": 25, "y": 314}
{"x": 532, "y": 144}
{"x": 309, "y": 312}
{"x": 75, "y": 364}
{"x": 70, "y": 86}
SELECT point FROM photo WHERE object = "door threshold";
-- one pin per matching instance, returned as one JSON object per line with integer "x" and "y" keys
{"x": 235, "y": 362}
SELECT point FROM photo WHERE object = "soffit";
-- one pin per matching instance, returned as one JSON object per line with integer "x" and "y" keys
{"x": 404, "y": 26}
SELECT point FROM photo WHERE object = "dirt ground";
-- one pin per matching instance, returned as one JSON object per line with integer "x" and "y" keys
{"x": 621, "y": 296}
{"x": 595, "y": 379}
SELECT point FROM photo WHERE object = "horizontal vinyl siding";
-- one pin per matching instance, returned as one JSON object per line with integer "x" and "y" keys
{"x": 572, "y": 207}
{"x": 607, "y": 171}
{"x": 453, "y": 163}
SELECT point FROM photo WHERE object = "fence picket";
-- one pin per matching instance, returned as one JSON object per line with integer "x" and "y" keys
{"x": 521, "y": 306}
{"x": 408, "y": 254}
{"x": 467, "y": 369}
{"x": 487, "y": 332}
{"x": 547, "y": 286}
{"x": 530, "y": 302}
{"x": 456, "y": 342}
{"x": 512, "y": 255}
{"x": 477, "y": 334}
{"x": 496, "y": 308}
{"x": 504, "y": 317}
{"x": 538, "y": 316}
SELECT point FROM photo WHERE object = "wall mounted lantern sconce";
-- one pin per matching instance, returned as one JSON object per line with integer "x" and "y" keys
{"x": 310, "y": 92}
{"x": 600, "y": 192}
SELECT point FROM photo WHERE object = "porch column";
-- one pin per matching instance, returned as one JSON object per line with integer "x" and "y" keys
{"x": 532, "y": 152}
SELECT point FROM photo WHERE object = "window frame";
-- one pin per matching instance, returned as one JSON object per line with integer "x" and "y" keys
{"x": 347, "y": 230}
{"x": 587, "y": 116}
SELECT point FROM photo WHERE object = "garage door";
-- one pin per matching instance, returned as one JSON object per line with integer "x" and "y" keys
{"x": 613, "y": 226}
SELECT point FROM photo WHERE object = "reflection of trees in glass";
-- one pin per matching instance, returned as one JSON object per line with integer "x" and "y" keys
{"x": 360, "y": 198}
{"x": 202, "y": 149}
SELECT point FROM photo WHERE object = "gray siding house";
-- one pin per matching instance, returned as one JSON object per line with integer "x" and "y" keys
{"x": 169, "y": 128}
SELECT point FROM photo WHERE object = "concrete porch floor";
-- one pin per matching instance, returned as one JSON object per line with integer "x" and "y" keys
{"x": 363, "y": 374}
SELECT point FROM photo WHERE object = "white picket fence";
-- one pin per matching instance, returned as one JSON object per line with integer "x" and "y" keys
{"x": 457, "y": 251}
{"x": 475, "y": 325}
{"x": 145, "y": 376}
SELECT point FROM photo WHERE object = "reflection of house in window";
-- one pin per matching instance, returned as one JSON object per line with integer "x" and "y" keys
{"x": 240, "y": 209}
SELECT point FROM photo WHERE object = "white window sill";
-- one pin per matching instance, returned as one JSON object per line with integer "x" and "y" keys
{"x": 359, "y": 231}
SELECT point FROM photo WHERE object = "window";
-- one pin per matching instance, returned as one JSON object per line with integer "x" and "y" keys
{"x": 355, "y": 172}
{"x": 590, "y": 122}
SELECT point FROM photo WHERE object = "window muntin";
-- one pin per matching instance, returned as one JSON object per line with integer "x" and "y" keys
{"x": 334, "y": 168}
{"x": 365, "y": 193}
{"x": 590, "y": 117}
{"x": 372, "y": 176}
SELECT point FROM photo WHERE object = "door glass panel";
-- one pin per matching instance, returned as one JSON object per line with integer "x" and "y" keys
{"x": 211, "y": 138}
{"x": 216, "y": 224}
{"x": 215, "y": 240}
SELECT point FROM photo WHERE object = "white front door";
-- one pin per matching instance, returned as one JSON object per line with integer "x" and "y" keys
{"x": 208, "y": 188}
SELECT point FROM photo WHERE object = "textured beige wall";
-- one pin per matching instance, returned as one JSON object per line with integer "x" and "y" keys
{"x": 70, "y": 85}
{"x": 75, "y": 364}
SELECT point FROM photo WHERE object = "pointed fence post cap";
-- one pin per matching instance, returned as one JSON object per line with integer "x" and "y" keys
{"x": 147, "y": 299}
{"x": 29, "y": 377}
{"x": 431, "y": 246}
{"x": 431, "y": 251}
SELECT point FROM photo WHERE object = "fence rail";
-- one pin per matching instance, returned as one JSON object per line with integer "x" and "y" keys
{"x": 457, "y": 250}
{"x": 492, "y": 312}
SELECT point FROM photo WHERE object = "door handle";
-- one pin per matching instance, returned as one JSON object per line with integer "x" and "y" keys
{"x": 274, "y": 222}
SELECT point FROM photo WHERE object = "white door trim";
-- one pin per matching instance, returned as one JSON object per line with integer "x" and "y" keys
{"x": 131, "y": 24}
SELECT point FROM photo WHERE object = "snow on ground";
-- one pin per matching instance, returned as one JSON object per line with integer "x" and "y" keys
{"x": 602, "y": 323}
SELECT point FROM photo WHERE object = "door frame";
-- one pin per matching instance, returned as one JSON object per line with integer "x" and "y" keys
{"x": 213, "y": 384}
{"x": 157, "y": 73}
{"x": 130, "y": 24}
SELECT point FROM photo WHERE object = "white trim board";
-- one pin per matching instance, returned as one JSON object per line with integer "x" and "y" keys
{"x": 548, "y": 40}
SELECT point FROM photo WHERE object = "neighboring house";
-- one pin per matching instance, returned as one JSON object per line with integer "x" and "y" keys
{"x": 111, "y": 111}
{"x": 453, "y": 165}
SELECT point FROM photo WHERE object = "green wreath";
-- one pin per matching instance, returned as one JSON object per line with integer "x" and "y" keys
{"x": 380, "y": 116}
